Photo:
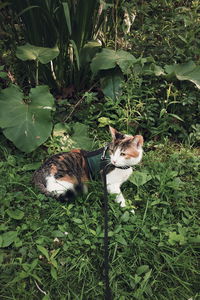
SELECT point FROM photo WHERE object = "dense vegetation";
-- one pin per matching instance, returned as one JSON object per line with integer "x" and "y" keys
{"x": 130, "y": 64}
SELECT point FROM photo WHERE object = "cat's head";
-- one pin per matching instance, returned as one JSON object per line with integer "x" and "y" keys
{"x": 125, "y": 150}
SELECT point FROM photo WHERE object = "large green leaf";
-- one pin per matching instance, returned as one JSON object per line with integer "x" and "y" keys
{"x": 31, "y": 52}
{"x": 26, "y": 121}
{"x": 89, "y": 50}
{"x": 125, "y": 60}
{"x": 16, "y": 214}
{"x": 109, "y": 59}
{"x": 110, "y": 84}
{"x": 81, "y": 137}
{"x": 7, "y": 238}
{"x": 140, "y": 178}
{"x": 186, "y": 71}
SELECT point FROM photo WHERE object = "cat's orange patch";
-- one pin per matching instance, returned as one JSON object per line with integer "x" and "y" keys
{"x": 76, "y": 150}
{"x": 73, "y": 179}
{"x": 69, "y": 179}
{"x": 61, "y": 157}
{"x": 85, "y": 178}
{"x": 131, "y": 153}
{"x": 54, "y": 169}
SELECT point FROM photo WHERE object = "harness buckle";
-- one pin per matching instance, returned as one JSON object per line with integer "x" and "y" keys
{"x": 103, "y": 156}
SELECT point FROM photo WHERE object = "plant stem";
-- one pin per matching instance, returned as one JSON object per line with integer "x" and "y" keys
{"x": 116, "y": 23}
{"x": 36, "y": 75}
{"x": 77, "y": 104}
{"x": 52, "y": 71}
{"x": 145, "y": 212}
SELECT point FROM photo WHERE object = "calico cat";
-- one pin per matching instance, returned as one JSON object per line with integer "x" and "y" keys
{"x": 66, "y": 173}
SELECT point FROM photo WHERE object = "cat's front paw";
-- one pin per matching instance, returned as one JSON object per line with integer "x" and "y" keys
{"x": 120, "y": 199}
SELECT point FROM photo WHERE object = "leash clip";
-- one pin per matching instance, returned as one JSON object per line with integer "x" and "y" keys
{"x": 103, "y": 157}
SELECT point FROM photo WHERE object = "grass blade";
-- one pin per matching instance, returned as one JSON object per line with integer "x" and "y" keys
{"x": 67, "y": 16}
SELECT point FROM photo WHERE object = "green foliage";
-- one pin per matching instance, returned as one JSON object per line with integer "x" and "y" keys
{"x": 53, "y": 250}
{"x": 139, "y": 178}
{"x": 65, "y": 137}
{"x": 116, "y": 63}
{"x": 173, "y": 39}
{"x": 187, "y": 71}
{"x": 159, "y": 106}
{"x": 26, "y": 120}
{"x": 66, "y": 24}
{"x": 3, "y": 74}
{"x": 41, "y": 54}
{"x": 111, "y": 84}
{"x": 81, "y": 137}
{"x": 6, "y": 239}
{"x": 109, "y": 59}
{"x": 15, "y": 214}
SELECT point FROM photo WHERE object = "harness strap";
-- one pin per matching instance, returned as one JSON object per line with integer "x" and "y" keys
{"x": 96, "y": 161}
{"x": 123, "y": 168}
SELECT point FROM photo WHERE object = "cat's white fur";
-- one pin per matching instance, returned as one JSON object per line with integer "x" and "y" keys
{"x": 56, "y": 186}
{"x": 119, "y": 161}
{"x": 114, "y": 181}
{"x": 118, "y": 176}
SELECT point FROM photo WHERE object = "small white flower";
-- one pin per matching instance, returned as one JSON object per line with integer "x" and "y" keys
{"x": 56, "y": 240}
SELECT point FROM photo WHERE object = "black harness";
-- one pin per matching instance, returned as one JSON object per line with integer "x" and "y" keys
{"x": 97, "y": 160}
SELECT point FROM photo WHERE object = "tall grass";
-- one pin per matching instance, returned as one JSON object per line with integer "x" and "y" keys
{"x": 69, "y": 24}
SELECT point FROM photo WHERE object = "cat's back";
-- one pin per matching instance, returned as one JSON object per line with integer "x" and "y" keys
{"x": 70, "y": 165}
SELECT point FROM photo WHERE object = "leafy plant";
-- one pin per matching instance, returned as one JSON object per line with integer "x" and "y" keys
{"x": 26, "y": 120}
{"x": 116, "y": 63}
{"x": 140, "y": 178}
{"x": 187, "y": 71}
{"x": 81, "y": 137}
{"x": 6, "y": 239}
{"x": 110, "y": 59}
{"x": 68, "y": 24}
{"x": 30, "y": 114}
{"x": 39, "y": 54}
{"x": 3, "y": 74}
{"x": 51, "y": 259}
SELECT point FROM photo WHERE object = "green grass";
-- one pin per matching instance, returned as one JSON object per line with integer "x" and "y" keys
{"x": 54, "y": 251}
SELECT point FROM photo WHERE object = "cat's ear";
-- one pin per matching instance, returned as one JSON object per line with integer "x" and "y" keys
{"x": 138, "y": 141}
{"x": 113, "y": 132}
{"x": 116, "y": 134}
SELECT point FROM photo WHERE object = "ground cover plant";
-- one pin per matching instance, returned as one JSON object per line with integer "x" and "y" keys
{"x": 133, "y": 65}
{"x": 53, "y": 250}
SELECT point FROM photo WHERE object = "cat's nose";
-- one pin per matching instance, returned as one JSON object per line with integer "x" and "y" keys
{"x": 114, "y": 162}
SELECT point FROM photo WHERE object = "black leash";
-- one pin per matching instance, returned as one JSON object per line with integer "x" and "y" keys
{"x": 104, "y": 166}
{"x": 107, "y": 292}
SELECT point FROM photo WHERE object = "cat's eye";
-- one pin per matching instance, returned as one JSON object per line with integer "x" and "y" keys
{"x": 123, "y": 154}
